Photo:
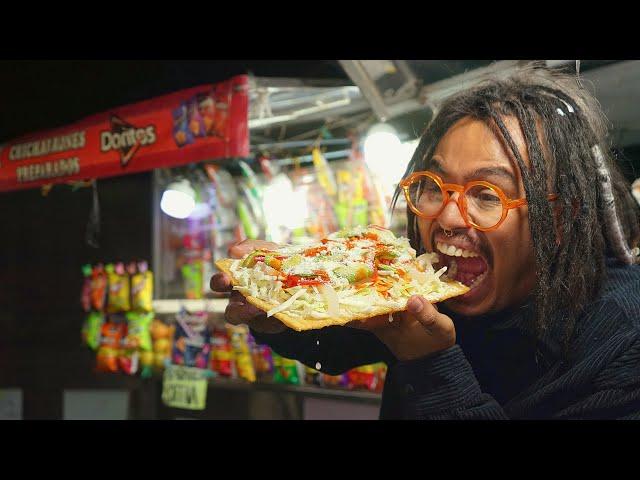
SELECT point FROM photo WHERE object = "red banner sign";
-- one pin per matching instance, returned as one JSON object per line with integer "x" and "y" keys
{"x": 201, "y": 123}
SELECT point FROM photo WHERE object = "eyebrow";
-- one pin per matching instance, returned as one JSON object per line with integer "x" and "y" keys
{"x": 477, "y": 174}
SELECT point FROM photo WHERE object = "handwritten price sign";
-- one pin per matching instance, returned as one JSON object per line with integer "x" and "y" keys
{"x": 184, "y": 387}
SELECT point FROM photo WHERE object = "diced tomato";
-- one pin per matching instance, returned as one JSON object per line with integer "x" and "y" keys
{"x": 259, "y": 258}
{"x": 294, "y": 280}
{"x": 312, "y": 252}
{"x": 371, "y": 236}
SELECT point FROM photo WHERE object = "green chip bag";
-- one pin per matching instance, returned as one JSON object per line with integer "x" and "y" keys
{"x": 91, "y": 330}
{"x": 138, "y": 332}
{"x": 286, "y": 370}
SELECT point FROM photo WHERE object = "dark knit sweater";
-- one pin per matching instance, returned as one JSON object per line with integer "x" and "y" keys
{"x": 498, "y": 371}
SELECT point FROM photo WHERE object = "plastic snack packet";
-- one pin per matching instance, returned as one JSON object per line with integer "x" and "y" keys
{"x": 192, "y": 278}
{"x": 335, "y": 380}
{"x": 137, "y": 340}
{"x": 191, "y": 345}
{"x": 363, "y": 377}
{"x": 238, "y": 334}
{"x": 222, "y": 358}
{"x": 112, "y": 333}
{"x": 142, "y": 289}
{"x": 91, "y": 330}
{"x": 85, "y": 297}
{"x": 262, "y": 358}
{"x": 119, "y": 289}
{"x": 286, "y": 370}
{"x": 161, "y": 335}
{"x": 98, "y": 288}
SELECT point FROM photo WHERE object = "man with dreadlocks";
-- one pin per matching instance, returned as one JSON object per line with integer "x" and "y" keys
{"x": 512, "y": 184}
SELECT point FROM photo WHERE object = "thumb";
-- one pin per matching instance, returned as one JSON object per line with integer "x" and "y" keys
{"x": 427, "y": 314}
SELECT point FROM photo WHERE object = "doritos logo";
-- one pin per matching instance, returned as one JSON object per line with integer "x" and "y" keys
{"x": 126, "y": 138}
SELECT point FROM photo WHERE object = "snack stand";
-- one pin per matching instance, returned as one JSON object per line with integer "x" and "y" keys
{"x": 292, "y": 192}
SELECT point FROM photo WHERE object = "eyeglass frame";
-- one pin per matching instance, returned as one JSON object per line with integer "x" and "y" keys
{"x": 507, "y": 203}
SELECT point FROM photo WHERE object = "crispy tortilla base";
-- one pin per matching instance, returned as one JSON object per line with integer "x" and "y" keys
{"x": 299, "y": 324}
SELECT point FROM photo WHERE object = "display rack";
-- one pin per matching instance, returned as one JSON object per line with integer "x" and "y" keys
{"x": 209, "y": 305}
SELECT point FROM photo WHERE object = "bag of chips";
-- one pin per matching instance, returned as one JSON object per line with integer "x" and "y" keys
{"x": 262, "y": 359}
{"x": 192, "y": 278}
{"x": 222, "y": 359}
{"x": 191, "y": 344}
{"x": 119, "y": 289}
{"x": 142, "y": 289}
{"x": 335, "y": 380}
{"x": 161, "y": 335}
{"x": 286, "y": 370}
{"x": 91, "y": 330}
{"x": 238, "y": 334}
{"x": 363, "y": 377}
{"x": 98, "y": 288}
{"x": 112, "y": 333}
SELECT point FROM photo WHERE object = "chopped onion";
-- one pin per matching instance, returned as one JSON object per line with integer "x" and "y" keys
{"x": 416, "y": 275}
{"x": 286, "y": 304}
{"x": 330, "y": 295}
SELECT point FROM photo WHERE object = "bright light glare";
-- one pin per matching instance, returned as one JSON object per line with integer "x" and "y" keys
{"x": 283, "y": 207}
{"x": 386, "y": 156}
{"x": 177, "y": 204}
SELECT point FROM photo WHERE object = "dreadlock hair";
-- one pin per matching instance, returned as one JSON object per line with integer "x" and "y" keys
{"x": 565, "y": 133}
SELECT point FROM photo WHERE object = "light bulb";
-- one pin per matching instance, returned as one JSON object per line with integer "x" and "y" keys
{"x": 178, "y": 200}
{"x": 385, "y": 154}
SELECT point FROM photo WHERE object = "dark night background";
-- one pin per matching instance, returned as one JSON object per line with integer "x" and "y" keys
{"x": 42, "y": 245}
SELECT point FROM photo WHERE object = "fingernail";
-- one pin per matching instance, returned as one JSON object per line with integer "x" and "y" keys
{"x": 415, "y": 305}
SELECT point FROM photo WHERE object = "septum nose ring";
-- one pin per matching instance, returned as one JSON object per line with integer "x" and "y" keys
{"x": 448, "y": 233}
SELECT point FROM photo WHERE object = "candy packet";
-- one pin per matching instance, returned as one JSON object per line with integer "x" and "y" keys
{"x": 119, "y": 288}
{"x": 222, "y": 359}
{"x": 112, "y": 332}
{"x": 286, "y": 370}
{"x": 91, "y": 330}
{"x": 98, "y": 292}
{"x": 142, "y": 289}
{"x": 238, "y": 334}
{"x": 191, "y": 345}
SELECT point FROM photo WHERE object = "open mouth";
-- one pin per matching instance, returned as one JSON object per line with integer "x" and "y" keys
{"x": 465, "y": 266}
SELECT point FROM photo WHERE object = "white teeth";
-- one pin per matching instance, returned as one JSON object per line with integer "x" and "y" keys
{"x": 453, "y": 251}
{"x": 477, "y": 280}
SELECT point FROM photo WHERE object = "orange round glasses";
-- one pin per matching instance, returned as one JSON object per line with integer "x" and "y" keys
{"x": 482, "y": 205}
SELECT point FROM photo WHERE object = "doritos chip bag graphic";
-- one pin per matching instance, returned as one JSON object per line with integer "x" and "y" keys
{"x": 181, "y": 133}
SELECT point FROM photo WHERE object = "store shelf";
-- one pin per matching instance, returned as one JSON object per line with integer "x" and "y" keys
{"x": 306, "y": 391}
{"x": 213, "y": 305}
